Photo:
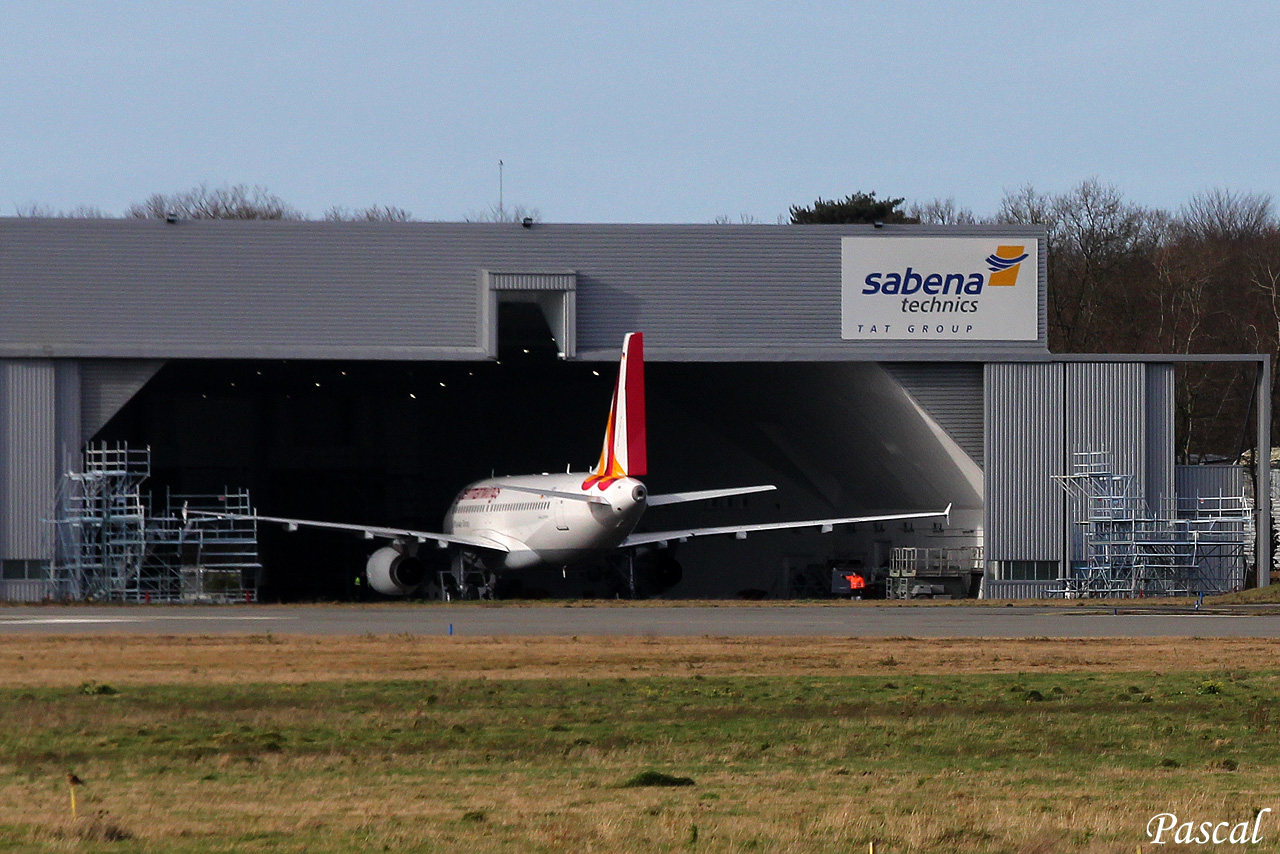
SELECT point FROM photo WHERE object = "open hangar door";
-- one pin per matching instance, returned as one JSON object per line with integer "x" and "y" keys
{"x": 837, "y": 439}
{"x": 391, "y": 443}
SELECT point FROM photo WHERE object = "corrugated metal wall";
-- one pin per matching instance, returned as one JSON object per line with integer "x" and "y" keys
{"x": 219, "y": 289}
{"x": 1105, "y": 410}
{"x": 1038, "y": 416}
{"x": 105, "y": 386}
{"x": 1161, "y": 489}
{"x": 1221, "y": 571}
{"x": 564, "y": 281}
{"x": 952, "y": 394}
{"x": 28, "y": 455}
{"x": 146, "y": 289}
{"x": 67, "y": 415}
{"x": 1024, "y": 448}
{"x": 1211, "y": 481}
{"x": 48, "y": 409}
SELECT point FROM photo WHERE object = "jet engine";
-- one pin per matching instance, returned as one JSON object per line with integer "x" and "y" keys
{"x": 393, "y": 572}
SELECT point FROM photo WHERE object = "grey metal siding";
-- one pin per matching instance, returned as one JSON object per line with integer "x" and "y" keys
{"x": 952, "y": 394}
{"x": 1025, "y": 440}
{"x": 24, "y": 590}
{"x": 1211, "y": 481}
{"x": 117, "y": 288}
{"x": 28, "y": 455}
{"x": 105, "y": 386}
{"x": 565, "y": 281}
{"x": 149, "y": 289}
{"x": 1037, "y": 417}
{"x": 1160, "y": 439}
{"x": 67, "y": 408}
{"x": 739, "y": 293}
{"x": 1106, "y": 411}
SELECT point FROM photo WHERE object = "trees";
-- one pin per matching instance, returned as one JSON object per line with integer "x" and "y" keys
{"x": 374, "y": 213}
{"x": 855, "y": 208}
{"x": 941, "y": 212}
{"x": 225, "y": 202}
{"x": 498, "y": 213}
{"x": 238, "y": 201}
{"x": 1223, "y": 215}
{"x": 38, "y": 211}
{"x": 1123, "y": 278}
{"x": 1098, "y": 247}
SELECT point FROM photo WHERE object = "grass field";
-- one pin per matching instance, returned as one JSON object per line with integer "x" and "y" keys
{"x": 483, "y": 745}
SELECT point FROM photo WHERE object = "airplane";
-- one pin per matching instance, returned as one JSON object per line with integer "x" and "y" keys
{"x": 509, "y": 524}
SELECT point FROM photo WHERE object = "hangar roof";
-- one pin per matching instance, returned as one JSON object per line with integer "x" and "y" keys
{"x": 148, "y": 289}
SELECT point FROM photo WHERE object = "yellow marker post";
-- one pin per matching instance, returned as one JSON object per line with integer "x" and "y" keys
{"x": 72, "y": 782}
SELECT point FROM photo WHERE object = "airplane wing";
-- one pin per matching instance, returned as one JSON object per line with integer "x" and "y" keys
{"x": 652, "y": 500}
{"x": 371, "y": 531}
{"x": 741, "y": 531}
{"x": 679, "y": 497}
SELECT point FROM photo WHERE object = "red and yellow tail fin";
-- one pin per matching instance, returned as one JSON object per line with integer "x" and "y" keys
{"x": 625, "y": 453}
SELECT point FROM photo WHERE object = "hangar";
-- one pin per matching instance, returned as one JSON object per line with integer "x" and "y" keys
{"x": 365, "y": 371}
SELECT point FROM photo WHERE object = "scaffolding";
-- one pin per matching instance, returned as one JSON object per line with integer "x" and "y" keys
{"x": 1195, "y": 547}
{"x": 931, "y": 572}
{"x": 109, "y": 544}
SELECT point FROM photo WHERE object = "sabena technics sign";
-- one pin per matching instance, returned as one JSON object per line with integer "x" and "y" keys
{"x": 940, "y": 288}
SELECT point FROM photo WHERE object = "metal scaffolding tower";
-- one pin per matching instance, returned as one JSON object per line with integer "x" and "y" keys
{"x": 108, "y": 544}
{"x": 1198, "y": 547}
{"x": 928, "y": 572}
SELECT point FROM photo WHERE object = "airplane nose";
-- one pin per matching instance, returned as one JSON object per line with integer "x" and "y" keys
{"x": 639, "y": 493}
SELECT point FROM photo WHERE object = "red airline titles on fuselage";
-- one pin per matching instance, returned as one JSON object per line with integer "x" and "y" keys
{"x": 480, "y": 493}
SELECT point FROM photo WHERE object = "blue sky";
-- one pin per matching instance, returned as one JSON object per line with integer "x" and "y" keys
{"x": 653, "y": 112}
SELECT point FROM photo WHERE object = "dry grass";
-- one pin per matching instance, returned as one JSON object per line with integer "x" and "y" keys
{"x": 151, "y": 659}
{"x": 1268, "y": 595}
{"x": 405, "y": 743}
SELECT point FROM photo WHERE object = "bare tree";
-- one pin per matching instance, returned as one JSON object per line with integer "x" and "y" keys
{"x": 742, "y": 219}
{"x": 1265, "y": 277}
{"x": 374, "y": 213}
{"x": 225, "y": 202}
{"x": 1222, "y": 214}
{"x": 39, "y": 211}
{"x": 1098, "y": 246}
{"x": 499, "y": 213}
{"x": 941, "y": 212}
{"x": 1027, "y": 206}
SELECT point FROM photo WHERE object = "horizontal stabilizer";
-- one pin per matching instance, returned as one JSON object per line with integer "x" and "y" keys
{"x": 568, "y": 496}
{"x": 369, "y": 531}
{"x": 681, "y": 497}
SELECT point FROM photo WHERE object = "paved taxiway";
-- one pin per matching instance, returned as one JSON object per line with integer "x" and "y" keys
{"x": 658, "y": 621}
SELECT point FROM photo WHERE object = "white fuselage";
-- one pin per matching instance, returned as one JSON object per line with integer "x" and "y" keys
{"x": 545, "y": 529}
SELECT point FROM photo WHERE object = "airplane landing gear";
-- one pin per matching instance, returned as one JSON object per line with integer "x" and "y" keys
{"x": 467, "y": 578}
